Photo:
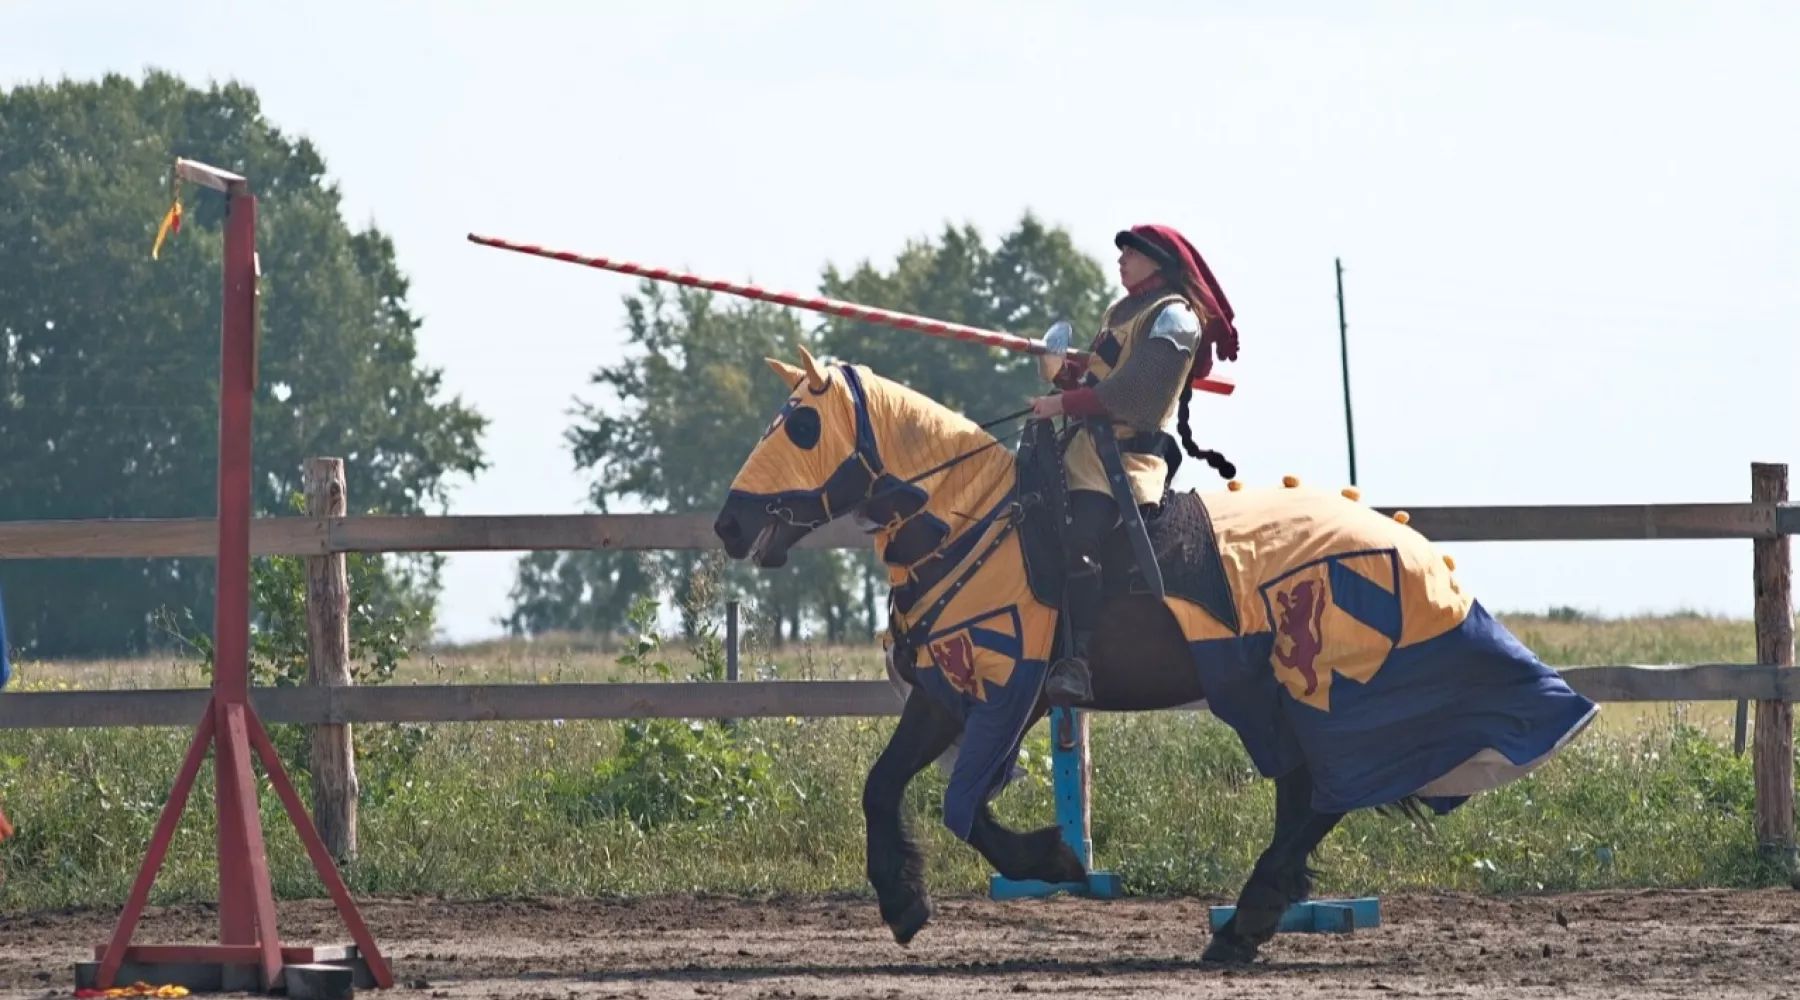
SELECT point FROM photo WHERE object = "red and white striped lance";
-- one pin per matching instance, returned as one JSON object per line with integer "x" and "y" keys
{"x": 835, "y": 307}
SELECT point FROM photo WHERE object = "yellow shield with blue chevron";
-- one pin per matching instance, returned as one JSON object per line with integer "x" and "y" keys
{"x": 979, "y": 653}
{"x": 1338, "y": 616}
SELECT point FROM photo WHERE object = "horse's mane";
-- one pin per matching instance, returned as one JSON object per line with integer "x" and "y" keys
{"x": 918, "y": 435}
{"x": 909, "y": 401}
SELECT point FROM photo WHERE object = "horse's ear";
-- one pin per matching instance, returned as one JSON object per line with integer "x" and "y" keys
{"x": 815, "y": 376}
{"x": 789, "y": 374}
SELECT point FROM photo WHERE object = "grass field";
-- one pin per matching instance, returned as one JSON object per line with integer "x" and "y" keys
{"x": 1652, "y": 797}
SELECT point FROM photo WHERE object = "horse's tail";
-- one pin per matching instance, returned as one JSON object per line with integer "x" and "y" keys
{"x": 1411, "y": 808}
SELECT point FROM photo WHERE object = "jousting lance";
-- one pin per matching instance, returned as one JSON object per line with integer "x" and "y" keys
{"x": 1211, "y": 382}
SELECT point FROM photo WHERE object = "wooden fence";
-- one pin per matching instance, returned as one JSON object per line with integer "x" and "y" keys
{"x": 330, "y": 703}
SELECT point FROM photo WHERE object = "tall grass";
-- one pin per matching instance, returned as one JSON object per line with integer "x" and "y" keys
{"x": 1653, "y": 797}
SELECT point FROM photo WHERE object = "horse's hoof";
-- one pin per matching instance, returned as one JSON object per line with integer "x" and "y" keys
{"x": 911, "y": 920}
{"x": 1229, "y": 951}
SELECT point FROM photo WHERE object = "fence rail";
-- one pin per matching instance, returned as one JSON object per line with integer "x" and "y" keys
{"x": 313, "y": 536}
{"x": 330, "y": 705}
{"x": 718, "y": 699}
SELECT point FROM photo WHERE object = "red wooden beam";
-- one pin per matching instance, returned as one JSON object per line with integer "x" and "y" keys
{"x": 247, "y": 924}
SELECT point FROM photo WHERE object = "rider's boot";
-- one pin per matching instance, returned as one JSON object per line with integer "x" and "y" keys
{"x": 1070, "y": 682}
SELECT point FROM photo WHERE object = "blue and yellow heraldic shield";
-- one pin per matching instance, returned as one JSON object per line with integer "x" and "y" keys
{"x": 1362, "y": 659}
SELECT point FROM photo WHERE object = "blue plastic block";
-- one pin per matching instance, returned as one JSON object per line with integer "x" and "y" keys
{"x": 1099, "y": 885}
{"x": 1328, "y": 919}
{"x": 1327, "y": 916}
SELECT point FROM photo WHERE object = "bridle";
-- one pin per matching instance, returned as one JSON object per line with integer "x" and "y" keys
{"x": 865, "y": 463}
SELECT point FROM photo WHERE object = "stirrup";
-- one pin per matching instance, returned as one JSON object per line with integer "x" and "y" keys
{"x": 1070, "y": 682}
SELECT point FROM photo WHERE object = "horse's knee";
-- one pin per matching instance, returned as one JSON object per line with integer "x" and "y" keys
{"x": 960, "y": 817}
{"x": 882, "y": 791}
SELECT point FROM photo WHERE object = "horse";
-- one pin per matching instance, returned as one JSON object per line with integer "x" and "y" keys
{"x": 1334, "y": 640}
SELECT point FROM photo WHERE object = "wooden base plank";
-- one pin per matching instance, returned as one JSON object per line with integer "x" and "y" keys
{"x": 216, "y": 968}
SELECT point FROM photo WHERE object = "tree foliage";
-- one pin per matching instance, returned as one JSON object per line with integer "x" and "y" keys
{"x": 691, "y": 397}
{"x": 1034, "y": 277}
{"x": 109, "y": 360}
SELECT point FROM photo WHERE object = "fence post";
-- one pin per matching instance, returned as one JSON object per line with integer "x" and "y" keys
{"x": 731, "y": 640}
{"x": 1772, "y": 760}
{"x": 328, "y": 665}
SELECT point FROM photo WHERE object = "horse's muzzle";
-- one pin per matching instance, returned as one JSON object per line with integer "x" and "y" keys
{"x": 748, "y": 529}
{"x": 738, "y": 524}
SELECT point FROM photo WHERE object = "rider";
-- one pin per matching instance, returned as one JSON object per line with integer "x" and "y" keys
{"x": 1152, "y": 342}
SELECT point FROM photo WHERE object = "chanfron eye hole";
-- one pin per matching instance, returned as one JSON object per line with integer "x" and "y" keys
{"x": 803, "y": 428}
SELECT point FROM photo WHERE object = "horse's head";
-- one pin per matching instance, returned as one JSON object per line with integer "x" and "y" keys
{"x": 816, "y": 460}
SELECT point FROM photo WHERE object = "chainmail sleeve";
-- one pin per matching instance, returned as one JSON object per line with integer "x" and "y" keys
{"x": 1138, "y": 393}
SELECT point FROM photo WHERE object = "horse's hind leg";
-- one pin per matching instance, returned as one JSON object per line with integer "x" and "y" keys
{"x": 896, "y": 868}
{"x": 1280, "y": 878}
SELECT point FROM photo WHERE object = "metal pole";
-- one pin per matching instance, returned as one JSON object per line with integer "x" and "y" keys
{"x": 1344, "y": 354}
{"x": 731, "y": 640}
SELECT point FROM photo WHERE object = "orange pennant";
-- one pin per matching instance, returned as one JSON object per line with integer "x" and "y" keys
{"x": 171, "y": 223}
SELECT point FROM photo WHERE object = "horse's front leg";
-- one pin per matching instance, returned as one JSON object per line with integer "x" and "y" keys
{"x": 1040, "y": 854}
{"x": 1281, "y": 877}
{"x": 896, "y": 868}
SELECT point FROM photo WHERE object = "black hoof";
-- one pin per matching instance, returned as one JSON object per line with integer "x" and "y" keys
{"x": 1229, "y": 951}
{"x": 911, "y": 920}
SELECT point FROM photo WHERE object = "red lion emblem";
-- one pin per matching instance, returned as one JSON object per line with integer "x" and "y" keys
{"x": 955, "y": 656}
{"x": 1302, "y": 615}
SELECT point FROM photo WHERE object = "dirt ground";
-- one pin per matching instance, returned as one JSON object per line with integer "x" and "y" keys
{"x": 1572, "y": 947}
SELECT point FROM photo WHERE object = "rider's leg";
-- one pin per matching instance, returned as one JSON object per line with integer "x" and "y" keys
{"x": 1092, "y": 517}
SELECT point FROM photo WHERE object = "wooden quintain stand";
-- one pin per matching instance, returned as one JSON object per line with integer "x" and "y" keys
{"x": 249, "y": 954}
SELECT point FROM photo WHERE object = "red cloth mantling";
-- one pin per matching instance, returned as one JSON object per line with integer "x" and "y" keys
{"x": 1167, "y": 244}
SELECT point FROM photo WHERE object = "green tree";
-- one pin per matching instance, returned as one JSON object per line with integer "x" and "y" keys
{"x": 695, "y": 394}
{"x": 108, "y": 360}
{"x": 1035, "y": 277}
{"x": 691, "y": 401}
{"x": 584, "y": 591}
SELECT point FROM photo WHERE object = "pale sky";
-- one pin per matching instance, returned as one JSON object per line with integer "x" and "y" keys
{"x": 1568, "y": 229}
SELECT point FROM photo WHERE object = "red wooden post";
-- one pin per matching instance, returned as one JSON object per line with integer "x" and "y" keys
{"x": 231, "y": 603}
{"x": 247, "y": 930}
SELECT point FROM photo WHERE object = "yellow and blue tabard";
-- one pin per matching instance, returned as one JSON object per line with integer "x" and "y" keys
{"x": 1360, "y": 656}
{"x": 1123, "y": 327}
{"x": 1356, "y": 654}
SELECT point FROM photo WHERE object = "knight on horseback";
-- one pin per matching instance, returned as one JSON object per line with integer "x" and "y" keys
{"x": 1134, "y": 381}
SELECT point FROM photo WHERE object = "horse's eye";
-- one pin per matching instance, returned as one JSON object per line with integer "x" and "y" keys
{"x": 803, "y": 428}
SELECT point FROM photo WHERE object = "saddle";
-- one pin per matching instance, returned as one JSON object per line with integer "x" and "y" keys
{"x": 1179, "y": 527}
